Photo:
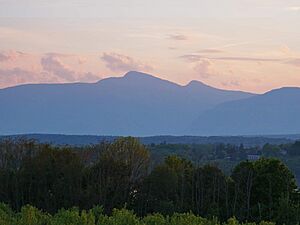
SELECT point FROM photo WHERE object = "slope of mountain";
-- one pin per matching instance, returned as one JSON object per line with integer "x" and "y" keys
{"x": 275, "y": 112}
{"x": 136, "y": 104}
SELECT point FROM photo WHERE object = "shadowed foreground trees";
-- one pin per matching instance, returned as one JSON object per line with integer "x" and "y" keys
{"x": 114, "y": 179}
{"x": 50, "y": 179}
{"x": 120, "y": 174}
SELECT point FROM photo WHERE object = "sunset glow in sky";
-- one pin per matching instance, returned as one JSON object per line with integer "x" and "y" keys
{"x": 250, "y": 45}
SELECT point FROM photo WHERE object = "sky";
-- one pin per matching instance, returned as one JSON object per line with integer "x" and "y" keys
{"x": 249, "y": 45}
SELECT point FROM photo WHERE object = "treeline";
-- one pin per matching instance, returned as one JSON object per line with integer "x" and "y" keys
{"x": 32, "y": 216}
{"x": 207, "y": 152}
{"x": 122, "y": 174}
{"x": 227, "y": 156}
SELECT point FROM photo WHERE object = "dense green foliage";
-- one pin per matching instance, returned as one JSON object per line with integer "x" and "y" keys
{"x": 123, "y": 174}
{"x": 32, "y": 216}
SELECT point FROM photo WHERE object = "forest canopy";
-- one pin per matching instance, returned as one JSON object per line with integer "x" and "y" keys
{"x": 124, "y": 175}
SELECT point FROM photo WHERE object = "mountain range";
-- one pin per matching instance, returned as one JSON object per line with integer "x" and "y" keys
{"x": 275, "y": 112}
{"x": 140, "y": 104}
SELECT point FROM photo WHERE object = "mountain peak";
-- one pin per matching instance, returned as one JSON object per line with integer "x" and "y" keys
{"x": 135, "y": 74}
{"x": 140, "y": 77}
{"x": 196, "y": 83}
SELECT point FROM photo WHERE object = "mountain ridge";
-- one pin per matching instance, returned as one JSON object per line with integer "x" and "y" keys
{"x": 140, "y": 104}
{"x": 135, "y": 104}
{"x": 129, "y": 74}
{"x": 273, "y": 112}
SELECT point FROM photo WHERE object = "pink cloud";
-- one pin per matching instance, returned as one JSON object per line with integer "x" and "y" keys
{"x": 204, "y": 68}
{"x": 10, "y": 55}
{"x": 14, "y": 76}
{"x": 54, "y": 65}
{"x": 17, "y": 72}
{"x": 120, "y": 63}
{"x": 20, "y": 68}
{"x": 3, "y": 57}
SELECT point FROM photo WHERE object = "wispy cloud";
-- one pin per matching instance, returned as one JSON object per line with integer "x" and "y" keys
{"x": 195, "y": 58}
{"x": 192, "y": 58}
{"x": 57, "y": 54}
{"x": 178, "y": 37}
{"x": 231, "y": 83}
{"x": 247, "y": 59}
{"x": 120, "y": 63}
{"x": 172, "y": 48}
{"x": 210, "y": 50}
{"x": 294, "y": 62}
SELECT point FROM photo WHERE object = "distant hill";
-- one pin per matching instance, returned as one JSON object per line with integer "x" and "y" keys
{"x": 275, "y": 112}
{"x": 81, "y": 140}
{"x": 137, "y": 104}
